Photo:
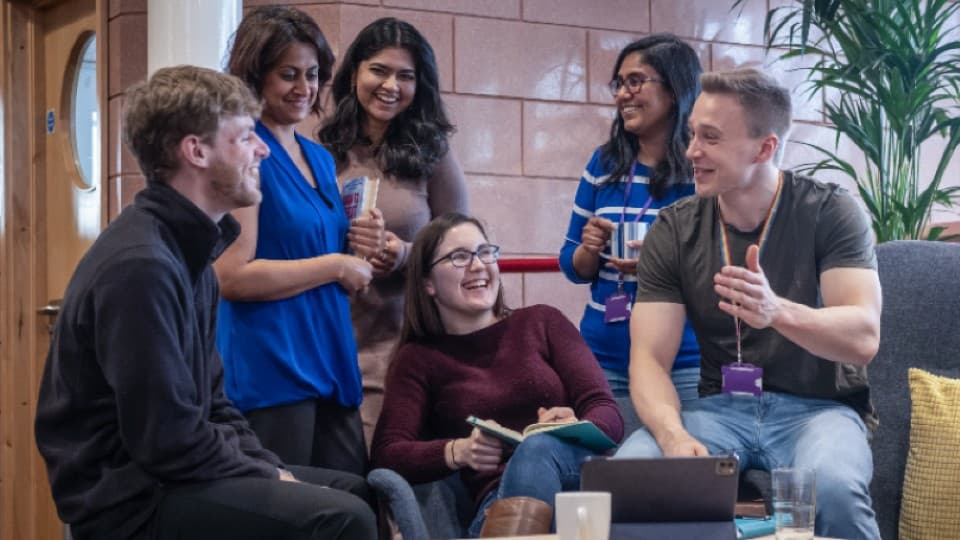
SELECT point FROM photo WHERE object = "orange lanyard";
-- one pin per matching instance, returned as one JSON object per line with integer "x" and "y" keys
{"x": 725, "y": 249}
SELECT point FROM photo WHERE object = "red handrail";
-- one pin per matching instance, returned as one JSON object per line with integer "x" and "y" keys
{"x": 531, "y": 264}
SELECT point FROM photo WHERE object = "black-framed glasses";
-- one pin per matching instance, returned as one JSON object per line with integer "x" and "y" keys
{"x": 462, "y": 258}
{"x": 633, "y": 83}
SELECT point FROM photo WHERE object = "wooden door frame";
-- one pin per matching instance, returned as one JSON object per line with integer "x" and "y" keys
{"x": 26, "y": 509}
{"x": 19, "y": 239}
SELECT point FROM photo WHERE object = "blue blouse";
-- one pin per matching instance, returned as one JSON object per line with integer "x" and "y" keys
{"x": 302, "y": 347}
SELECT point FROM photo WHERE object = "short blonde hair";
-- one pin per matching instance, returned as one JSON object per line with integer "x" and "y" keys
{"x": 765, "y": 101}
{"x": 174, "y": 103}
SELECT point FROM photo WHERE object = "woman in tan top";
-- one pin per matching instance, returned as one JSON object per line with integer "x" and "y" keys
{"x": 390, "y": 124}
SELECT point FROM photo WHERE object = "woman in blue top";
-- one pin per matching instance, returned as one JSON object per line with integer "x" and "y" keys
{"x": 285, "y": 336}
{"x": 639, "y": 170}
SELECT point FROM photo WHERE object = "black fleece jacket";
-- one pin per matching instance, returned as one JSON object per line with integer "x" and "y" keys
{"x": 132, "y": 395}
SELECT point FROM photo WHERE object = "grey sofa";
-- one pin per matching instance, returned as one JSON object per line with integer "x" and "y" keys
{"x": 921, "y": 311}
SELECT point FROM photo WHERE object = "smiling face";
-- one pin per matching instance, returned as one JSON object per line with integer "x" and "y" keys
{"x": 234, "y": 170}
{"x": 465, "y": 297}
{"x": 386, "y": 83}
{"x": 291, "y": 86}
{"x": 722, "y": 151}
{"x": 645, "y": 113}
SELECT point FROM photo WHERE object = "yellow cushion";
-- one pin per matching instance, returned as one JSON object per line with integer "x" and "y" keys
{"x": 931, "y": 482}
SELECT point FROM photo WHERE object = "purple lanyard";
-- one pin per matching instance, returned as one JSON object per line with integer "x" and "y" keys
{"x": 626, "y": 198}
{"x": 623, "y": 213}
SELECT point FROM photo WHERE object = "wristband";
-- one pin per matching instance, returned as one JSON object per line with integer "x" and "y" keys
{"x": 453, "y": 454}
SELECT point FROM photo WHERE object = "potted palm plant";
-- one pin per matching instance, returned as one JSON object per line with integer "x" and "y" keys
{"x": 891, "y": 71}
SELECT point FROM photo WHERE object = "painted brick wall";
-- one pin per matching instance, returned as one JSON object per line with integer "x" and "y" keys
{"x": 524, "y": 81}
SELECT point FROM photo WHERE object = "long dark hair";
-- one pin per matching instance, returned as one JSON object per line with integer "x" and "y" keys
{"x": 678, "y": 65}
{"x": 421, "y": 318}
{"x": 263, "y": 36}
{"x": 417, "y": 138}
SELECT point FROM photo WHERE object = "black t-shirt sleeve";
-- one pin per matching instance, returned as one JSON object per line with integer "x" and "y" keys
{"x": 658, "y": 272}
{"x": 844, "y": 238}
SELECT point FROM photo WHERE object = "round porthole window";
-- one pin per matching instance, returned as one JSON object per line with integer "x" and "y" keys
{"x": 84, "y": 112}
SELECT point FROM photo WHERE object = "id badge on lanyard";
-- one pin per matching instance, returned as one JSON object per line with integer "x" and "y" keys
{"x": 743, "y": 379}
{"x": 617, "y": 306}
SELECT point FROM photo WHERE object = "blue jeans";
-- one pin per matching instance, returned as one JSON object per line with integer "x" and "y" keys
{"x": 540, "y": 467}
{"x": 684, "y": 380}
{"x": 783, "y": 430}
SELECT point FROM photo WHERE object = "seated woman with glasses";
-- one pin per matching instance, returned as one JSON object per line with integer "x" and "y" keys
{"x": 463, "y": 353}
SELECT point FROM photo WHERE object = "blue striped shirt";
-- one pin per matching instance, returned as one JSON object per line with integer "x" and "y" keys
{"x": 597, "y": 197}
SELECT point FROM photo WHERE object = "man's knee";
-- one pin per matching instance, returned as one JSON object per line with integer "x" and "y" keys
{"x": 358, "y": 486}
{"x": 840, "y": 486}
{"x": 843, "y": 465}
{"x": 340, "y": 480}
{"x": 352, "y": 518}
{"x": 844, "y": 507}
{"x": 640, "y": 444}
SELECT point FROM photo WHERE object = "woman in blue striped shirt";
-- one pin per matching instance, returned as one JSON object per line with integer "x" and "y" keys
{"x": 639, "y": 170}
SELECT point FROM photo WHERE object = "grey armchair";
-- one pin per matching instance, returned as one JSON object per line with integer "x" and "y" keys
{"x": 440, "y": 509}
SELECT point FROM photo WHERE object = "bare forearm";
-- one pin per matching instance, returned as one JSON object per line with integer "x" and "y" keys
{"x": 655, "y": 398}
{"x": 265, "y": 279}
{"x": 848, "y": 334}
{"x": 585, "y": 263}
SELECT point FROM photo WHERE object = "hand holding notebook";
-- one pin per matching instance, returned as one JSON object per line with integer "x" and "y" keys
{"x": 582, "y": 433}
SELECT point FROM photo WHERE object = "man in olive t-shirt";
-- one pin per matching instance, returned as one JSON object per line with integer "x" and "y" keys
{"x": 778, "y": 270}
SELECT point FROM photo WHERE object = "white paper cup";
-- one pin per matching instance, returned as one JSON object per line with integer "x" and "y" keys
{"x": 624, "y": 233}
{"x": 583, "y": 515}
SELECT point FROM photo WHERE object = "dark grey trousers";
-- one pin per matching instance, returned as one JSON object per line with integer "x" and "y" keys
{"x": 313, "y": 432}
{"x": 324, "y": 505}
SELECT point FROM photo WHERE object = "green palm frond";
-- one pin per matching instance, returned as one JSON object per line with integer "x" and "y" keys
{"x": 893, "y": 75}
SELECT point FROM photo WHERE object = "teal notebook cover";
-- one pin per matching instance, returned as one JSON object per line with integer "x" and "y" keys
{"x": 583, "y": 433}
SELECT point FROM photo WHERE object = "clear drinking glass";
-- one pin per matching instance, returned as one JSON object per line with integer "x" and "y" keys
{"x": 794, "y": 503}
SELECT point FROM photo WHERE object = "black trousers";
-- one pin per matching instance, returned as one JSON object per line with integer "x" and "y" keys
{"x": 313, "y": 432}
{"x": 325, "y": 504}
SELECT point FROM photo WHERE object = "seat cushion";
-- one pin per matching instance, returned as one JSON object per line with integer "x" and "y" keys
{"x": 931, "y": 485}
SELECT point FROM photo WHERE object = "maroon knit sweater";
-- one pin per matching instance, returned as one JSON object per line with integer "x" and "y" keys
{"x": 533, "y": 358}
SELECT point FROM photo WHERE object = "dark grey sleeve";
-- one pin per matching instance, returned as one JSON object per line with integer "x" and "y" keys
{"x": 844, "y": 238}
{"x": 658, "y": 271}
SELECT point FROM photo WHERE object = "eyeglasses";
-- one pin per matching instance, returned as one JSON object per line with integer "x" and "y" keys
{"x": 461, "y": 258}
{"x": 633, "y": 83}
